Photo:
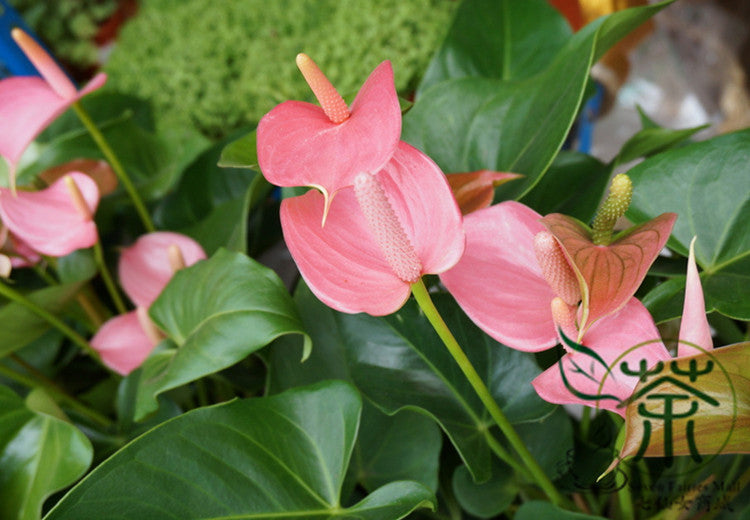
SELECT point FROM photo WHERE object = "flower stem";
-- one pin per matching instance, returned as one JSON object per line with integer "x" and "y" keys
{"x": 40, "y": 379}
{"x": 122, "y": 175}
{"x": 428, "y": 307}
{"x": 107, "y": 277}
{"x": 53, "y": 320}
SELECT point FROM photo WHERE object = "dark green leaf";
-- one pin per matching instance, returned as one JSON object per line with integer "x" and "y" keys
{"x": 651, "y": 141}
{"x": 215, "y": 313}
{"x": 21, "y": 326}
{"x": 536, "y": 510}
{"x": 39, "y": 454}
{"x": 78, "y": 266}
{"x": 503, "y": 39}
{"x": 536, "y": 437}
{"x": 470, "y": 124}
{"x": 489, "y": 498}
{"x": 279, "y": 457}
{"x": 405, "y": 446}
{"x": 707, "y": 184}
{"x": 399, "y": 362}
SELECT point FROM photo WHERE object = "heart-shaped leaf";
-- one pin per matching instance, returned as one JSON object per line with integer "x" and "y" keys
{"x": 215, "y": 313}
{"x": 697, "y": 406}
{"x": 267, "y": 458}
{"x": 488, "y": 499}
{"x": 474, "y": 123}
{"x": 609, "y": 275}
{"x": 39, "y": 454}
{"x": 400, "y": 362}
{"x": 706, "y": 184}
{"x": 501, "y": 39}
{"x": 22, "y": 326}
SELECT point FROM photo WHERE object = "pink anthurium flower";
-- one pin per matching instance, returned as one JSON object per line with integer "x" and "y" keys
{"x": 54, "y": 221}
{"x": 380, "y": 237}
{"x": 145, "y": 268}
{"x": 29, "y": 104}
{"x": 301, "y": 144}
{"x": 603, "y": 370}
{"x": 19, "y": 253}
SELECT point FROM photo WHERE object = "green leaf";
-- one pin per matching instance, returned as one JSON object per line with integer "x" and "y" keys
{"x": 215, "y": 313}
{"x": 650, "y": 141}
{"x": 405, "y": 446}
{"x": 535, "y": 510}
{"x": 21, "y": 326}
{"x": 399, "y": 362}
{"x": 536, "y": 436}
{"x": 78, "y": 266}
{"x": 39, "y": 454}
{"x": 502, "y": 39}
{"x": 706, "y": 184}
{"x": 553, "y": 194}
{"x": 279, "y": 457}
{"x": 240, "y": 153}
{"x": 489, "y": 498}
{"x": 474, "y": 123}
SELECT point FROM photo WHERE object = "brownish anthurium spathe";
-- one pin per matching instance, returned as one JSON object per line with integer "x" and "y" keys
{"x": 475, "y": 190}
{"x": 609, "y": 269}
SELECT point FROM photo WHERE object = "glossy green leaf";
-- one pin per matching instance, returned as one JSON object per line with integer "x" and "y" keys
{"x": 473, "y": 123}
{"x": 554, "y": 194}
{"x": 279, "y": 457}
{"x": 39, "y": 454}
{"x": 536, "y": 436}
{"x": 650, "y": 141}
{"x": 536, "y": 510}
{"x": 21, "y": 326}
{"x": 707, "y": 185}
{"x": 78, "y": 266}
{"x": 240, "y": 153}
{"x": 215, "y": 313}
{"x": 399, "y": 362}
{"x": 490, "y": 498}
{"x": 503, "y": 39}
{"x": 405, "y": 446}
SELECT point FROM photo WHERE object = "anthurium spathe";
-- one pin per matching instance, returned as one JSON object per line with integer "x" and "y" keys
{"x": 29, "y": 104}
{"x": 145, "y": 268}
{"x": 301, "y": 144}
{"x": 380, "y": 237}
{"x": 609, "y": 269}
{"x": 619, "y": 346}
{"x": 54, "y": 221}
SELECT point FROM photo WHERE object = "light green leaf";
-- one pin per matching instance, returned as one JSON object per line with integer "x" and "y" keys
{"x": 240, "y": 153}
{"x": 215, "y": 313}
{"x": 39, "y": 454}
{"x": 271, "y": 458}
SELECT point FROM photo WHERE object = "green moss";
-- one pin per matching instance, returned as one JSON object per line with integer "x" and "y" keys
{"x": 222, "y": 64}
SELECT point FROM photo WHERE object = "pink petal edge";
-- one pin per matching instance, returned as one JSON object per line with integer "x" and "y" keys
{"x": 122, "y": 343}
{"x": 694, "y": 328}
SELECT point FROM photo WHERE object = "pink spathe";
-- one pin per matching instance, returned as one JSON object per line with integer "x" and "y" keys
{"x": 122, "y": 343}
{"x": 299, "y": 145}
{"x": 48, "y": 220}
{"x": 145, "y": 267}
{"x": 29, "y": 104}
{"x": 348, "y": 264}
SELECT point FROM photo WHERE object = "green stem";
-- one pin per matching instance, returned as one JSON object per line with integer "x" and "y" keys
{"x": 53, "y": 320}
{"x": 624, "y": 499}
{"x": 425, "y": 302}
{"x": 122, "y": 175}
{"x": 107, "y": 277}
{"x": 503, "y": 455}
{"x": 585, "y": 422}
{"x": 53, "y": 388}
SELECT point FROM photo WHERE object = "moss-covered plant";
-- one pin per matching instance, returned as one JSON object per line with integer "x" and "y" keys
{"x": 223, "y": 64}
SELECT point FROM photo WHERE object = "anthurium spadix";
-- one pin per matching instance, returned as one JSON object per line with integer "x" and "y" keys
{"x": 145, "y": 268}
{"x": 54, "y": 221}
{"x": 29, "y": 104}
{"x": 326, "y": 146}
{"x": 381, "y": 234}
